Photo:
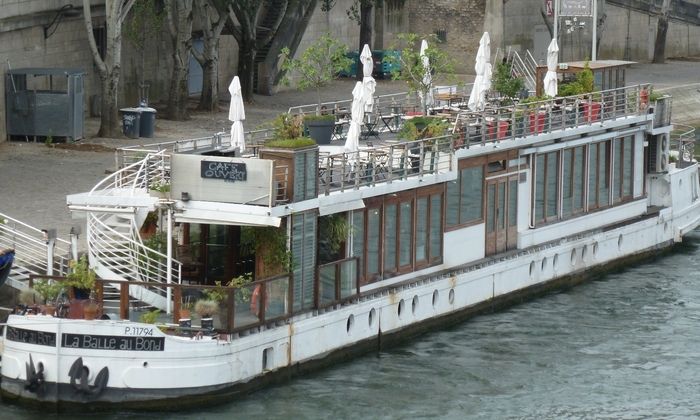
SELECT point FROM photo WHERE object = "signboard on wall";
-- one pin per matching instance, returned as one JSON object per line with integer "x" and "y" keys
{"x": 222, "y": 179}
{"x": 575, "y": 8}
{"x": 549, "y": 7}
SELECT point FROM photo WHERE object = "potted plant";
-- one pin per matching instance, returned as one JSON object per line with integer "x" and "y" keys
{"x": 581, "y": 85}
{"x": 49, "y": 291}
{"x": 160, "y": 189}
{"x": 186, "y": 307}
{"x": 206, "y": 308}
{"x": 317, "y": 66}
{"x": 90, "y": 308}
{"x": 149, "y": 226}
{"x": 30, "y": 297}
{"x": 506, "y": 83}
{"x": 81, "y": 278}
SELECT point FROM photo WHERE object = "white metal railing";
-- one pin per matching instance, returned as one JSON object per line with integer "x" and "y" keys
{"x": 683, "y": 141}
{"x": 152, "y": 169}
{"x": 384, "y": 164}
{"x": 124, "y": 257}
{"x": 31, "y": 249}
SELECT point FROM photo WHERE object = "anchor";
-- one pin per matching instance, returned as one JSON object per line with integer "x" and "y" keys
{"x": 79, "y": 380}
{"x": 35, "y": 379}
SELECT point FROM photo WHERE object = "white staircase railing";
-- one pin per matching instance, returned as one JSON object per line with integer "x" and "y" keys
{"x": 32, "y": 252}
{"x": 526, "y": 66}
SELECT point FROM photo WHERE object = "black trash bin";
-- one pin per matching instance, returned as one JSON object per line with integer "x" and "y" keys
{"x": 131, "y": 119}
{"x": 148, "y": 122}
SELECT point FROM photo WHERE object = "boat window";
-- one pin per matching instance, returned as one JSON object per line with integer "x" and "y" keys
{"x": 623, "y": 167}
{"x": 304, "y": 259}
{"x": 435, "y": 227}
{"x": 373, "y": 233}
{"x": 358, "y": 239}
{"x": 465, "y": 197}
{"x": 390, "y": 225}
{"x": 422, "y": 224}
{"x": 405, "y": 233}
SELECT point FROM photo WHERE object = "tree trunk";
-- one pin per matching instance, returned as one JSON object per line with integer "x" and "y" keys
{"x": 365, "y": 32}
{"x": 661, "y": 29}
{"x": 291, "y": 31}
{"x": 181, "y": 35}
{"x": 110, "y": 119}
{"x": 210, "y": 87}
{"x": 109, "y": 69}
{"x": 246, "y": 71}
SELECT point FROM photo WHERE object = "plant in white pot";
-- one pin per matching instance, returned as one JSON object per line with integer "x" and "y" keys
{"x": 318, "y": 65}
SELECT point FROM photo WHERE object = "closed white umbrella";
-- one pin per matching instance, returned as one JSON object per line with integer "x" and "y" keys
{"x": 236, "y": 114}
{"x": 482, "y": 81}
{"x": 352, "y": 142}
{"x": 550, "y": 79}
{"x": 428, "y": 100}
{"x": 368, "y": 82}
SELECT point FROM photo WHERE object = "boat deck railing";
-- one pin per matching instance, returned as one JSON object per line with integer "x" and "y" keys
{"x": 683, "y": 143}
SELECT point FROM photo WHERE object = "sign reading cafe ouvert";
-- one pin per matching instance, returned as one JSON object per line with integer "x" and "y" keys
{"x": 228, "y": 171}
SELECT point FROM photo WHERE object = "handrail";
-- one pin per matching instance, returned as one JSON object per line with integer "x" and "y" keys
{"x": 337, "y": 282}
{"x": 31, "y": 247}
{"x": 685, "y": 141}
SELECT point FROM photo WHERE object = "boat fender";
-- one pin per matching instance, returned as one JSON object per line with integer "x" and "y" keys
{"x": 35, "y": 378}
{"x": 77, "y": 373}
{"x": 254, "y": 307}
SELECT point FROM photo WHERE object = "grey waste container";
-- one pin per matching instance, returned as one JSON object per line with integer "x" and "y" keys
{"x": 148, "y": 122}
{"x": 131, "y": 119}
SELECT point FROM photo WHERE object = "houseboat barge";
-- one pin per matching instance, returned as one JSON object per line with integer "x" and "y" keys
{"x": 515, "y": 201}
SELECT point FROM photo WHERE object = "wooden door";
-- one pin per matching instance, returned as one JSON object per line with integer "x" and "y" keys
{"x": 501, "y": 214}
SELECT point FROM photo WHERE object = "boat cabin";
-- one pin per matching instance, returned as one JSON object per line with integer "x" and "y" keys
{"x": 607, "y": 74}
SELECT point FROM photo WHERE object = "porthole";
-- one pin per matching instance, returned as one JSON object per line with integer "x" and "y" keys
{"x": 402, "y": 304}
{"x": 595, "y": 250}
{"x": 619, "y": 242}
{"x": 370, "y": 317}
{"x": 665, "y": 227}
{"x": 574, "y": 257}
{"x": 532, "y": 269}
{"x": 414, "y": 305}
{"x": 451, "y": 296}
{"x": 584, "y": 253}
{"x": 543, "y": 266}
{"x": 555, "y": 263}
{"x": 680, "y": 184}
{"x": 350, "y": 323}
{"x": 436, "y": 299}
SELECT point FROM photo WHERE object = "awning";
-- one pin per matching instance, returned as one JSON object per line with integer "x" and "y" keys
{"x": 214, "y": 217}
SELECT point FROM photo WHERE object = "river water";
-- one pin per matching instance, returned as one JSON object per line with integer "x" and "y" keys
{"x": 624, "y": 346}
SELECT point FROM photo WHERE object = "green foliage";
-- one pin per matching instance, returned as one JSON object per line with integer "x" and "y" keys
{"x": 412, "y": 70}
{"x": 160, "y": 187}
{"x": 149, "y": 317}
{"x": 314, "y": 117}
{"x": 422, "y": 128}
{"x": 241, "y": 294}
{"x": 333, "y": 231}
{"x": 505, "y": 82}
{"x": 156, "y": 242}
{"x": 270, "y": 243}
{"x": 82, "y": 275}
{"x": 187, "y": 303}
{"x": 292, "y": 143}
{"x": 48, "y": 290}
{"x": 581, "y": 85}
{"x": 318, "y": 65}
{"x": 288, "y": 126}
{"x": 49, "y": 139}
{"x": 144, "y": 22}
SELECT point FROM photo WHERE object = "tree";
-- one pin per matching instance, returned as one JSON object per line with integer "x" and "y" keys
{"x": 412, "y": 70}
{"x": 109, "y": 67}
{"x": 180, "y": 21}
{"x": 212, "y": 24}
{"x": 318, "y": 65}
{"x": 661, "y": 29}
{"x": 145, "y": 22}
{"x": 248, "y": 13}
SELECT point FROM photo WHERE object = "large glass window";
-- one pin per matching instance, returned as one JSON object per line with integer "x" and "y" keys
{"x": 435, "y": 226}
{"x": 573, "y": 181}
{"x": 406, "y": 233}
{"x": 390, "y": 225}
{"x": 358, "y": 238}
{"x": 422, "y": 224}
{"x": 373, "y": 232}
{"x": 464, "y": 197}
{"x": 622, "y": 167}
{"x": 546, "y": 186}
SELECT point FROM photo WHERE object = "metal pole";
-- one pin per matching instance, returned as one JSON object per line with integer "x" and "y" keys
{"x": 169, "y": 276}
{"x": 595, "y": 30}
{"x": 556, "y": 24}
{"x": 50, "y": 243}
